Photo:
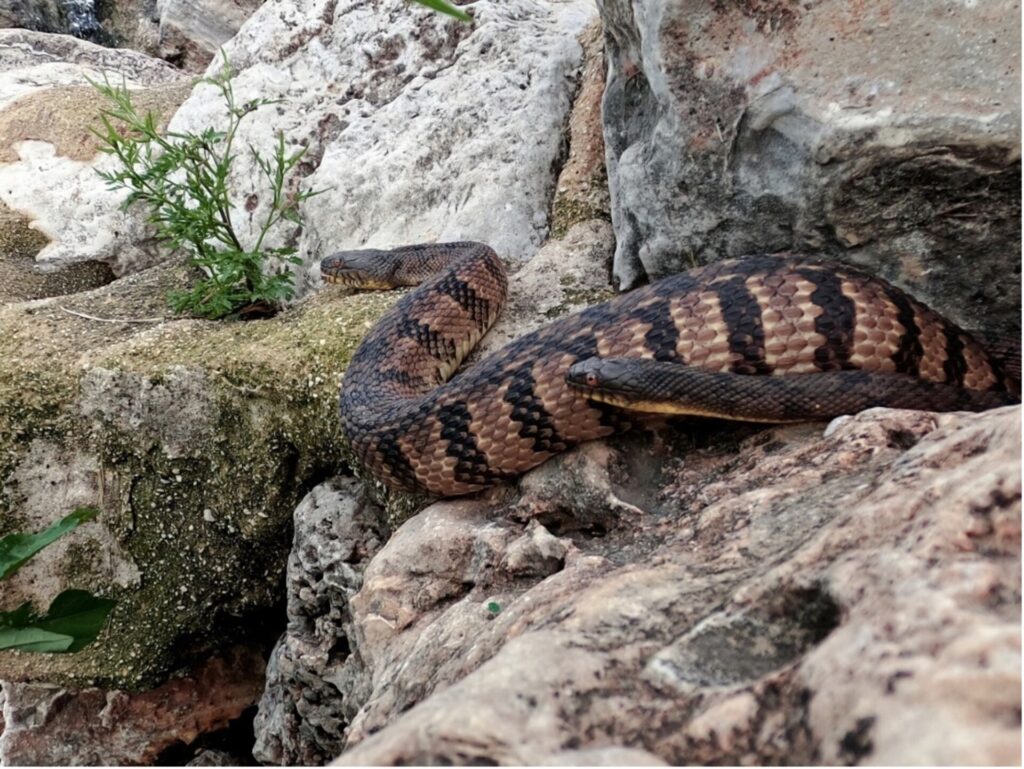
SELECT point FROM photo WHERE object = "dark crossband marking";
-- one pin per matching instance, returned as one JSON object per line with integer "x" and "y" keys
{"x": 389, "y": 455}
{"x": 742, "y": 315}
{"x": 433, "y": 342}
{"x": 955, "y": 365}
{"x": 479, "y": 309}
{"x": 471, "y": 463}
{"x": 663, "y": 336}
{"x": 536, "y": 422}
{"x": 836, "y": 322}
{"x": 402, "y": 377}
{"x": 908, "y": 356}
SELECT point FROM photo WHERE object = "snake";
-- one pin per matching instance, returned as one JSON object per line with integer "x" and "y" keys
{"x": 772, "y": 338}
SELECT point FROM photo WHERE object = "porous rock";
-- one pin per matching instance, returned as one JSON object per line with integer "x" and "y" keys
{"x": 62, "y": 216}
{"x": 792, "y": 595}
{"x": 884, "y": 133}
{"x": 418, "y": 127}
{"x": 303, "y": 713}
{"x": 50, "y": 725}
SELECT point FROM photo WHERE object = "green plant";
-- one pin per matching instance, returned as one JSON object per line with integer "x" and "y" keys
{"x": 442, "y": 7}
{"x": 75, "y": 617}
{"x": 182, "y": 178}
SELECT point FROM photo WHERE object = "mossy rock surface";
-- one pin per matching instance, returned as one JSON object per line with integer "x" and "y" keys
{"x": 195, "y": 439}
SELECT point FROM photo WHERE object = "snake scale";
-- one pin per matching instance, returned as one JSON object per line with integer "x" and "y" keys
{"x": 768, "y": 338}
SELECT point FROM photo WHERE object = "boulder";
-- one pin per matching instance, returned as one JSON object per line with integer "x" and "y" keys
{"x": 37, "y": 15}
{"x": 885, "y": 134}
{"x": 193, "y": 31}
{"x": 758, "y": 597}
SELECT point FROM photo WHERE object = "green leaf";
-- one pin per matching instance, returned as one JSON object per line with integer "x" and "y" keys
{"x": 442, "y": 7}
{"x": 34, "y": 640}
{"x": 73, "y": 621}
{"x": 17, "y": 548}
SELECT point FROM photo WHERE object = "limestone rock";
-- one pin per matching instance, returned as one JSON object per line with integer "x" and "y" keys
{"x": 418, "y": 127}
{"x": 49, "y": 159}
{"x": 195, "y": 440}
{"x": 879, "y": 133}
{"x": 48, "y": 725}
{"x": 783, "y": 596}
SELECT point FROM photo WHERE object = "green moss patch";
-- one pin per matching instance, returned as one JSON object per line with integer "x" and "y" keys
{"x": 206, "y": 434}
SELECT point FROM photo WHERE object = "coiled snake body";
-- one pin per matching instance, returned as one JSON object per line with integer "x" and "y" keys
{"x": 762, "y": 338}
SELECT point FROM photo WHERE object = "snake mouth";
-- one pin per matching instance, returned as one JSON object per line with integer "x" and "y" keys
{"x": 353, "y": 279}
{"x": 355, "y": 269}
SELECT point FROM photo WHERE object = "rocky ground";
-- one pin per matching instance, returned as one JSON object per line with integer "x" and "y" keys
{"x": 698, "y": 593}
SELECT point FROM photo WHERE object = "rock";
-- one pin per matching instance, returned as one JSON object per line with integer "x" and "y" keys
{"x": 303, "y": 712}
{"x": 476, "y": 111}
{"x": 36, "y": 15}
{"x": 58, "y": 213}
{"x": 195, "y": 441}
{"x": 193, "y": 31}
{"x": 581, "y": 192}
{"x": 51, "y": 725}
{"x": 780, "y": 596}
{"x": 882, "y": 135}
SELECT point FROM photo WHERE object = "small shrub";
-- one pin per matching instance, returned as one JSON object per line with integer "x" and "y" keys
{"x": 183, "y": 179}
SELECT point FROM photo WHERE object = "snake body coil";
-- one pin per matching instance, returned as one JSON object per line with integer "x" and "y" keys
{"x": 715, "y": 341}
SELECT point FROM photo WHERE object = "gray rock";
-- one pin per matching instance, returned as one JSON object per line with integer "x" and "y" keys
{"x": 883, "y": 135}
{"x": 36, "y": 15}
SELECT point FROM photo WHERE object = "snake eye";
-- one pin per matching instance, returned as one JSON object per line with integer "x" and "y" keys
{"x": 591, "y": 380}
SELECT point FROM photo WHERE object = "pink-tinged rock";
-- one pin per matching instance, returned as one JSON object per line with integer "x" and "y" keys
{"x": 799, "y": 595}
{"x": 48, "y": 725}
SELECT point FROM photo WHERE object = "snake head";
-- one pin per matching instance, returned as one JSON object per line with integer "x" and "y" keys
{"x": 610, "y": 380}
{"x": 366, "y": 269}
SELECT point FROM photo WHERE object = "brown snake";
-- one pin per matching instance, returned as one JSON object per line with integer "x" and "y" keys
{"x": 715, "y": 341}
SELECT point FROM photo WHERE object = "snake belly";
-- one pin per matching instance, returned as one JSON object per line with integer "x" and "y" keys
{"x": 415, "y": 429}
